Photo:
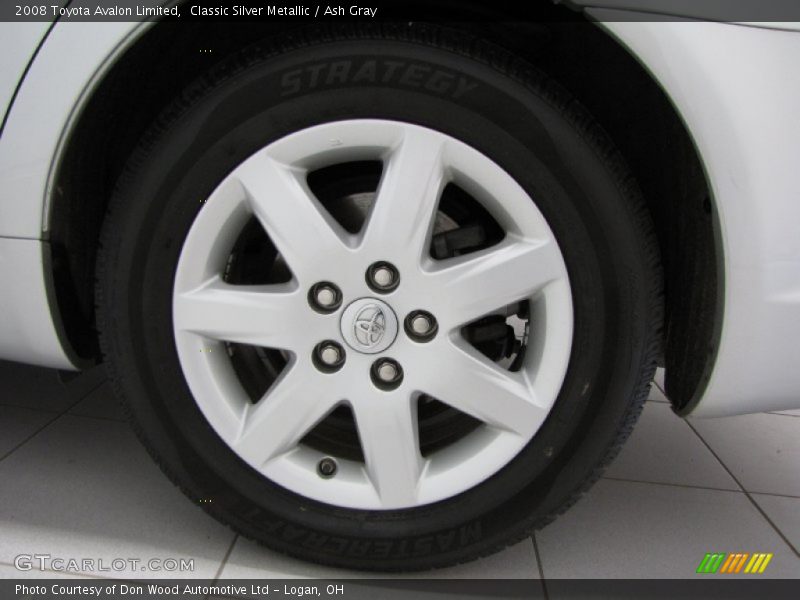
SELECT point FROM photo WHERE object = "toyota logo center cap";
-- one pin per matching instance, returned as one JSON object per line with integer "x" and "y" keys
{"x": 369, "y": 325}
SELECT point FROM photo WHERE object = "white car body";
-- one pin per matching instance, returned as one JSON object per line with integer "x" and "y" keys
{"x": 735, "y": 86}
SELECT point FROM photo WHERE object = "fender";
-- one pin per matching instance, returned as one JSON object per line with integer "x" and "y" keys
{"x": 748, "y": 137}
{"x": 38, "y": 123}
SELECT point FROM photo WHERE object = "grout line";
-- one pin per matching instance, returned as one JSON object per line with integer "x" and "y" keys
{"x": 539, "y": 564}
{"x": 57, "y": 415}
{"x": 663, "y": 393}
{"x": 757, "y": 493}
{"x": 226, "y": 557}
{"x": 679, "y": 485}
{"x": 31, "y": 436}
{"x": 699, "y": 487}
{"x": 86, "y": 394}
{"x": 780, "y": 414}
{"x": 223, "y": 563}
{"x": 746, "y": 493}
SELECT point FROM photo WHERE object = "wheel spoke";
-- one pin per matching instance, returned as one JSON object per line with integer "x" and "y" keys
{"x": 298, "y": 225}
{"x": 404, "y": 208}
{"x": 283, "y": 416}
{"x": 387, "y": 428}
{"x": 483, "y": 390}
{"x": 266, "y": 315}
{"x": 472, "y": 286}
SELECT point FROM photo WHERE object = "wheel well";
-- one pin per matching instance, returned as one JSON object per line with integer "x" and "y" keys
{"x": 600, "y": 73}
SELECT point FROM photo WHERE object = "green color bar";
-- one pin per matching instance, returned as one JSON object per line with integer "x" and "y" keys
{"x": 703, "y": 563}
{"x": 715, "y": 565}
{"x": 711, "y": 563}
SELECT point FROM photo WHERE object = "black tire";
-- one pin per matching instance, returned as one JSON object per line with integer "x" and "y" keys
{"x": 493, "y": 102}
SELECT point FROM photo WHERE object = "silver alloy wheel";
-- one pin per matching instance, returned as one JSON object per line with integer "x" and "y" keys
{"x": 418, "y": 162}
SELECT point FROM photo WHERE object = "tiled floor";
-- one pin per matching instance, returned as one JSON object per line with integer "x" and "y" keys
{"x": 77, "y": 483}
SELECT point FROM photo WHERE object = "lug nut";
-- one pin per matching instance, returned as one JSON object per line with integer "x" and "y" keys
{"x": 386, "y": 373}
{"x": 328, "y": 356}
{"x": 382, "y": 277}
{"x": 421, "y": 325}
{"x": 326, "y": 468}
{"x": 324, "y": 297}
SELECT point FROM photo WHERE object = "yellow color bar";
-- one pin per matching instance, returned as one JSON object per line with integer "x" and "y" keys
{"x": 764, "y": 564}
{"x": 759, "y": 563}
{"x": 752, "y": 563}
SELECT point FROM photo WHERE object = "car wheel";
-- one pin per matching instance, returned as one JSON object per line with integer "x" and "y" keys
{"x": 384, "y": 300}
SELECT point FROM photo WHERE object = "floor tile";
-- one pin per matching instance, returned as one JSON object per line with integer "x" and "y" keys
{"x": 101, "y": 403}
{"x": 32, "y": 387}
{"x": 762, "y": 451}
{"x": 250, "y": 560}
{"x": 664, "y": 449}
{"x": 659, "y": 377}
{"x": 784, "y": 513}
{"x": 18, "y": 424}
{"x": 40, "y": 388}
{"x": 656, "y": 395}
{"x": 643, "y": 530}
{"x": 86, "y": 488}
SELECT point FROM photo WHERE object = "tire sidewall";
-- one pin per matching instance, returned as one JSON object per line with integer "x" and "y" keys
{"x": 516, "y": 119}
